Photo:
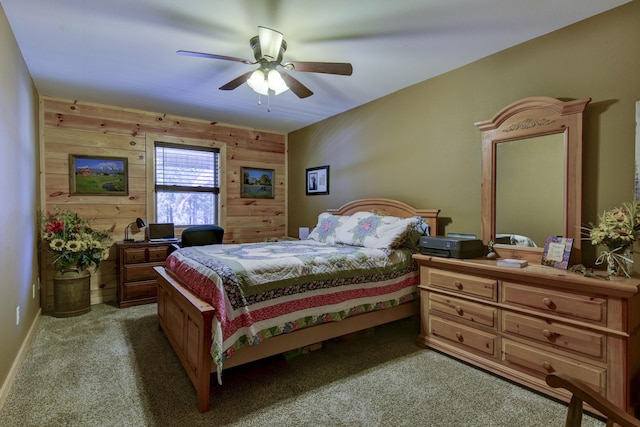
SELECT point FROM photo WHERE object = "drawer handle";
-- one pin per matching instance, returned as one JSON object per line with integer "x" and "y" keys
{"x": 459, "y": 310}
{"x": 458, "y": 284}
{"x": 547, "y": 333}
{"x": 547, "y": 366}
{"x": 547, "y": 301}
{"x": 459, "y": 336}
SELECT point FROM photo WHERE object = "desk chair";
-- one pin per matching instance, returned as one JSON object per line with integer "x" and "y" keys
{"x": 199, "y": 235}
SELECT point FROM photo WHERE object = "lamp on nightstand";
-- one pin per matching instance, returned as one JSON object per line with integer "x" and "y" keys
{"x": 139, "y": 222}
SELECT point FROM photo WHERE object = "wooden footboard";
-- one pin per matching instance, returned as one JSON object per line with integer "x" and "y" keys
{"x": 186, "y": 320}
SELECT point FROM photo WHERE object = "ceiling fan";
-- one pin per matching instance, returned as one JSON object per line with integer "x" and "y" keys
{"x": 268, "y": 48}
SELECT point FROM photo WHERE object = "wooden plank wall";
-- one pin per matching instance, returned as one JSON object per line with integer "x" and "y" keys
{"x": 73, "y": 127}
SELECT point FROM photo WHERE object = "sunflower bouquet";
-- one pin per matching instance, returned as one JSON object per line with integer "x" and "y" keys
{"x": 73, "y": 241}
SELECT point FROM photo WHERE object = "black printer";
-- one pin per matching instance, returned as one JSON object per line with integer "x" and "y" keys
{"x": 451, "y": 246}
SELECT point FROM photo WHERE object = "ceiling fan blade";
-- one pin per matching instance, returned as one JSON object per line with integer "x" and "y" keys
{"x": 214, "y": 56}
{"x": 238, "y": 81}
{"x": 341, "y": 68}
{"x": 295, "y": 86}
{"x": 270, "y": 42}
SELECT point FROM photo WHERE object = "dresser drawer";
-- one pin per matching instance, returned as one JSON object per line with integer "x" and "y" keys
{"x": 543, "y": 363}
{"x": 565, "y": 337}
{"x": 158, "y": 253}
{"x": 463, "y": 335}
{"x": 144, "y": 289}
{"x": 133, "y": 273}
{"x": 467, "y": 310}
{"x": 462, "y": 283}
{"x": 135, "y": 255}
{"x": 560, "y": 303}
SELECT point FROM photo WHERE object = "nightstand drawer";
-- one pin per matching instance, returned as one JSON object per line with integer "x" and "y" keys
{"x": 158, "y": 253}
{"x": 543, "y": 363}
{"x": 463, "y": 335}
{"x": 470, "y": 285}
{"x": 135, "y": 255}
{"x": 137, "y": 290}
{"x": 565, "y": 337}
{"x": 467, "y": 310}
{"x": 566, "y": 304}
{"x": 133, "y": 273}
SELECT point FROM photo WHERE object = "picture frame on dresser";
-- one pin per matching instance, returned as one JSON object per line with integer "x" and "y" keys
{"x": 557, "y": 252}
{"x": 98, "y": 175}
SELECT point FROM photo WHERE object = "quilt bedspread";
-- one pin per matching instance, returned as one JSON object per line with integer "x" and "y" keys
{"x": 261, "y": 290}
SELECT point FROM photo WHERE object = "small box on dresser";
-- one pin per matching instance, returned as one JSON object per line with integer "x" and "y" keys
{"x": 524, "y": 323}
{"x": 137, "y": 283}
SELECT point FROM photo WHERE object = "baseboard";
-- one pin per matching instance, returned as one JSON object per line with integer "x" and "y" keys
{"x": 17, "y": 363}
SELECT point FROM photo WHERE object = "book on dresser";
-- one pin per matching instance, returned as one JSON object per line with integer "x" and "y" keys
{"x": 513, "y": 263}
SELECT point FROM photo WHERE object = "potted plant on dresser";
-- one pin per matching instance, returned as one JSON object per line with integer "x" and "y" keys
{"x": 76, "y": 247}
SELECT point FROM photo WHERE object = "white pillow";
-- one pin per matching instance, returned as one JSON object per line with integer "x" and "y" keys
{"x": 326, "y": 229}
{"x": 375, "y": 231}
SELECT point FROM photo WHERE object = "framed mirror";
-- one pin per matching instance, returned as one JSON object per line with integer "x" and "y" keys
{"x": 532, "y": 176}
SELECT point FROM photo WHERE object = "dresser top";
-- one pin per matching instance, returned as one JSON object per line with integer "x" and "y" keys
{"x": 537, "y": 274}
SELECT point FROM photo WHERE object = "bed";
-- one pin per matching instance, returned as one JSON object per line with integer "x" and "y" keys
{"x": 193, "y": 318}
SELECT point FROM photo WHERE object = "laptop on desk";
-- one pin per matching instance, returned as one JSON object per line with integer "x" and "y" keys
{"x": 162, "y": 232}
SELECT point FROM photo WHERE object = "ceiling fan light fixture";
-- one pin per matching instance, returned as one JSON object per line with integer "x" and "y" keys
{"x": 276, "y": 82}
{"x": 270, "y": 42}
{"x": 258, "y": 82}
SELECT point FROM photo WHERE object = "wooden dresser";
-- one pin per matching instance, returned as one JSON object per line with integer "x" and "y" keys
{"x": 525, "y": 323}
{"x": 137, "y": 282}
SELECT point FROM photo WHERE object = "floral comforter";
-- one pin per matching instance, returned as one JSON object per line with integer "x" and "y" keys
{"x": 261, "y": 290}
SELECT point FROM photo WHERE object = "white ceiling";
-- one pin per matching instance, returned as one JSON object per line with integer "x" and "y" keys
{"x": 123, "y": 52}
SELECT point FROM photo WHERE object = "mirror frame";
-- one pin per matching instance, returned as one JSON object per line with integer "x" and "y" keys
{"x": 528, "y": 118}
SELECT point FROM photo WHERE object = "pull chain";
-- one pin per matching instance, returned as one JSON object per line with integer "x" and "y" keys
{"x": 268, "y": 101}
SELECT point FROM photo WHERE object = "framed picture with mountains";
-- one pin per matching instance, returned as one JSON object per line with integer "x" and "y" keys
{"x": 98, "y": 175}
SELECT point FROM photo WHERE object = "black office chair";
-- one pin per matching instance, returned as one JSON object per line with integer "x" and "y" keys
{"x": 199, "y": 235}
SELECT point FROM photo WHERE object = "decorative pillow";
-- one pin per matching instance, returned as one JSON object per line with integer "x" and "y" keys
{"x": 326, "y": 229}
{"x": 413, "y": 237}
{"x": 375, "y": 231}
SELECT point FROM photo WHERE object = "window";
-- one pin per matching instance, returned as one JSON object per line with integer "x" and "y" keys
{"x": 187, "y": 184}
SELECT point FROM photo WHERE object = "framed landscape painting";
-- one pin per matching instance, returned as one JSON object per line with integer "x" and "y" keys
{"x": 98, "y": 175}
{"x": 257, "y": 183}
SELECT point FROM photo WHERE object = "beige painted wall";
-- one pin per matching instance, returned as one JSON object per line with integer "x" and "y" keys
{"x": 420, "y": 144}
{"x": 19, "y": 189}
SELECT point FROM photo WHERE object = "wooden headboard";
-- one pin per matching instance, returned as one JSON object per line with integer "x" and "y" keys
{"x": 389, "y": 207}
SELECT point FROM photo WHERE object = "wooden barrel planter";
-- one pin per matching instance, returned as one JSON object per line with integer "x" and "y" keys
{"x": 71, "y": 292}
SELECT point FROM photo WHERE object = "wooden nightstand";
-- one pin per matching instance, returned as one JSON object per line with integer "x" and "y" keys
{"x": 137, "y": 282}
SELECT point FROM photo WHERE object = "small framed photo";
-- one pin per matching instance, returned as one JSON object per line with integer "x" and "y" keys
{"x": 98, "y": 175}
{"x": 557, "y": 252}
{"x": 318, "y": 180}
{"x": 257, "y": 183}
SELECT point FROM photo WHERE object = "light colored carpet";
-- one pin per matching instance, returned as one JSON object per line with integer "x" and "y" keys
{"x": 113, "y": 367}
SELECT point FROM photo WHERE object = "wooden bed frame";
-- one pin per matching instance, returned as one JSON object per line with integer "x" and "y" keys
{"x": 187, "y": 320}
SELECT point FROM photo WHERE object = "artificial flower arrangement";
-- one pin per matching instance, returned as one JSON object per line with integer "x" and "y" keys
{"x": 73, "y": 241}
{"x": 617, "y": 231}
